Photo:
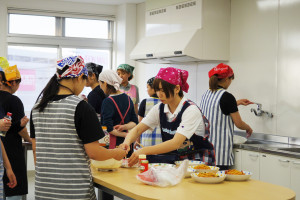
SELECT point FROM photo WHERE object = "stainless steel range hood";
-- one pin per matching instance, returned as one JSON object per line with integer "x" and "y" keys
{"x": 208, "y": 43}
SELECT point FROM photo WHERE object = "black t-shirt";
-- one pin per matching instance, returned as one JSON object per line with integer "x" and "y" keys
{"x": 87, "y": 123}
{"x": 142, "y": 108}
{"x": 228, "y": 103}
{"x": 95, "y": 98}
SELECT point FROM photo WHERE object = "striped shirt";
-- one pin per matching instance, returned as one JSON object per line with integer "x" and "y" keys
{"x": 221, "y": 127}
{"x": 62, "y": 165}
{"x": 151, "y": 137}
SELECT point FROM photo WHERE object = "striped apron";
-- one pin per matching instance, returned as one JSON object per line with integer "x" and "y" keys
{"x": 62, "y": 165}
{"x": 221, "y": 127}
{"x": 1, "y": 173}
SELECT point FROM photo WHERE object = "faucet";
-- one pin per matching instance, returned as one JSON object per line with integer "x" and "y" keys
{"x": 260, "y": 112}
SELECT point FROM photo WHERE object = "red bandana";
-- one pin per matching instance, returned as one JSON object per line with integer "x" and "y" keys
{"x": 221, "y": 70}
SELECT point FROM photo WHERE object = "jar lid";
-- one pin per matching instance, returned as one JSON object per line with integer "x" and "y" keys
{"x": 144, "y": 161}
{"x": 142, "y": 156}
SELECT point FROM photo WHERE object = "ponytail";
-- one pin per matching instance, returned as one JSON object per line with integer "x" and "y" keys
{"x": 48, "y": 93}
{"x": 213, "y": 83}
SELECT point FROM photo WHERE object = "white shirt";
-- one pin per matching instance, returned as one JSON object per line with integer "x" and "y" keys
{"x": 191, "y": 121}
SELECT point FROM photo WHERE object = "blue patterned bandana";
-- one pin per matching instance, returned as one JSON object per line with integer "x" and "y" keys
{"x": 71, "y": 67}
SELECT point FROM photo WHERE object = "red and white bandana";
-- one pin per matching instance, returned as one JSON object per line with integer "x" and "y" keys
{"x": 221, "y": 70}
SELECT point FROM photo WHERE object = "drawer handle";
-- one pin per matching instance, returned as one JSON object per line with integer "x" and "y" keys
{"x": 296, "y": 163}
{"x": 283, "y": 160}
{"x": 253, "y": 155}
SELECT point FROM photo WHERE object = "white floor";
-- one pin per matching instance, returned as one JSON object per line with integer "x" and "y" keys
{"x": 30, "y": 195}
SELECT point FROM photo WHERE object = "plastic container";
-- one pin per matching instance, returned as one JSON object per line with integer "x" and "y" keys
{"x": 7, "y": 117}
{"x": 144, "y": 166}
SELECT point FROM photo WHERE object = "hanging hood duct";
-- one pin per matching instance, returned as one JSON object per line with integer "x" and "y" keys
{"x": 208, "y": 43}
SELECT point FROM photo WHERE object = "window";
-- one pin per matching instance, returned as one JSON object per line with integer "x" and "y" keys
{"x": 36, "y": 42}
{"x": 31, "y": 24}
{"x": 37, "y": 66}
{"x": 86, "y": 28}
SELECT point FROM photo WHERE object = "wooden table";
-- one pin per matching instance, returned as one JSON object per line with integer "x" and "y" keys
{"x": 123, "y": 183}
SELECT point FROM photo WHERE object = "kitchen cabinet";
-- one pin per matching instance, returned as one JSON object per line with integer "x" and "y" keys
{"x": 237, "y": 159}
{"x": 295, "y": 176}
{"x": 275, "y": 169}
{"x": 250, "y": 162}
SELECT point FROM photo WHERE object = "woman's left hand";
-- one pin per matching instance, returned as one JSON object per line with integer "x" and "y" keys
{"x": 12, "y": 178}
{"x": 120, "y": 127}
{"x": 244, "y": 102}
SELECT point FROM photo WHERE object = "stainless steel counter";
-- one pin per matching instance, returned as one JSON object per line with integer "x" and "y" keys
{"x": 272, "y": 144}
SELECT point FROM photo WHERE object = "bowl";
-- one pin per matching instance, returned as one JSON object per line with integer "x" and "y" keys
{"x": 239, "y": 139}
{"x": 233, "y": 177}
{"x": 219, "y": 179}
{"x": 189, "y": 171}
{"x": 191, "y": 162}
{"x": 212, "y": 169}
{"x": 109, "y": 164}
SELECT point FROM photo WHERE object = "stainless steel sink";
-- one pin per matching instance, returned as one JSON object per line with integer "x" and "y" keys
{"x": 294, "y": 150}
{"x": 254, "y": 142}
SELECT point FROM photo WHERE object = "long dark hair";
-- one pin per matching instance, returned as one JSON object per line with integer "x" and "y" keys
{"x": 47, "y": 93}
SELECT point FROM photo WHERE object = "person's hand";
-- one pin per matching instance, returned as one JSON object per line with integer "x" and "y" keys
{"x": 24, "y": 121}
{"x": 244, "y": 102}
{"x": 125, "y": 147}
{"x": 134, "y": 158}
{"x": 12, "y": 178}
{"x": 120, "y": 127}
{"x": 120, "y": 154}
{"x": 249, "y": 132}
{"x": 4, "y": 124}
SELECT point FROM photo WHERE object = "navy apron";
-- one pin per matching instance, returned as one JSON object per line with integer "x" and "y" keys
{"x": 196, "y": 148}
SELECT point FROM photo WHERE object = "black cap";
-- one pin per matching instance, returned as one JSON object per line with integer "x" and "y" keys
{"x": 94, "y": 68}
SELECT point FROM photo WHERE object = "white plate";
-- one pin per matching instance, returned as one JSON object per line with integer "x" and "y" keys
{"x": 239, "y": 139}
{"x": 109, "y": 164}
{"x": 191, "y": 162}
{"x": 212, "y": 169}
{"x": 230, "y": 177}
{"x": 160, "y": 165}
{"x": 208, "y": 179}
{"x": 189, "y": 171}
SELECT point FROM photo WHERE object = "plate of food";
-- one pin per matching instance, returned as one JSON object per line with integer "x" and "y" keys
{"x": 205, "y": 168}
{"x": 237, "y": 175}
{"x": 106, "y": 165}
{"x": 208, "y": 177}
{"x": 160, "y": 165}
{"x": 191, "y": 162}
{"x": 125, "y": 163}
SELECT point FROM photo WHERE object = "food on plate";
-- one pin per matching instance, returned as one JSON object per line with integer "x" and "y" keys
{"x": 202, "y": 166}
{"x": 207, "y": 174}
{"x": 234, "y": 172}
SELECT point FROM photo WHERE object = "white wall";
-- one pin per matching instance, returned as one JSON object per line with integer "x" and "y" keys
{"x": 264, "y": 54}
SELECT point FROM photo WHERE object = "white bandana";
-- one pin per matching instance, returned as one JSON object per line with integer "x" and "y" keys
{"x": 110, "y": 77}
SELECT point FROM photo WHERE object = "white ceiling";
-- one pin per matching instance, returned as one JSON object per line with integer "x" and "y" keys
{"x": 108, "y": 2}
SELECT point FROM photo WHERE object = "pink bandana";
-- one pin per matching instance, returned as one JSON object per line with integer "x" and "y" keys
{"x": 175, "y": 77}
{"x": 222, "y": 71}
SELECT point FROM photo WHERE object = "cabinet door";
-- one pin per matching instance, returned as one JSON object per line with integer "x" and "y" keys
{"x": 295, "y": 176}
{"x": 237, "y": 159}
{"x": 250, "y": 162}
{"x": 275, "y": 169}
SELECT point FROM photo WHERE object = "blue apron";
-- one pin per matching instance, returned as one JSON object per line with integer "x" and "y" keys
{"x": 197, "y": 148}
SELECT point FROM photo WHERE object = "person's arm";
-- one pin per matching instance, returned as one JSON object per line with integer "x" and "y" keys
{"x": 238, "y": 122}
{"x": 33, "y": 150}
{"x": 243, "y": 102}
{"x": 96, "y": 152}
{"x": 164, "y": 147}
{"x": 24, "y": 134}
{"x": 9, "y": 172}
{"x": 125, "y": 127}
{"x": 136, "y": 108}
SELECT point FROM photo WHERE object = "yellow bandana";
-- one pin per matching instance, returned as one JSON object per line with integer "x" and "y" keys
{"x": 12, "y": 73}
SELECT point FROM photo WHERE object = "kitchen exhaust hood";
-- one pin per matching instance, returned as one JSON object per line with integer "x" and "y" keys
{"x": 210, "y": 42}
